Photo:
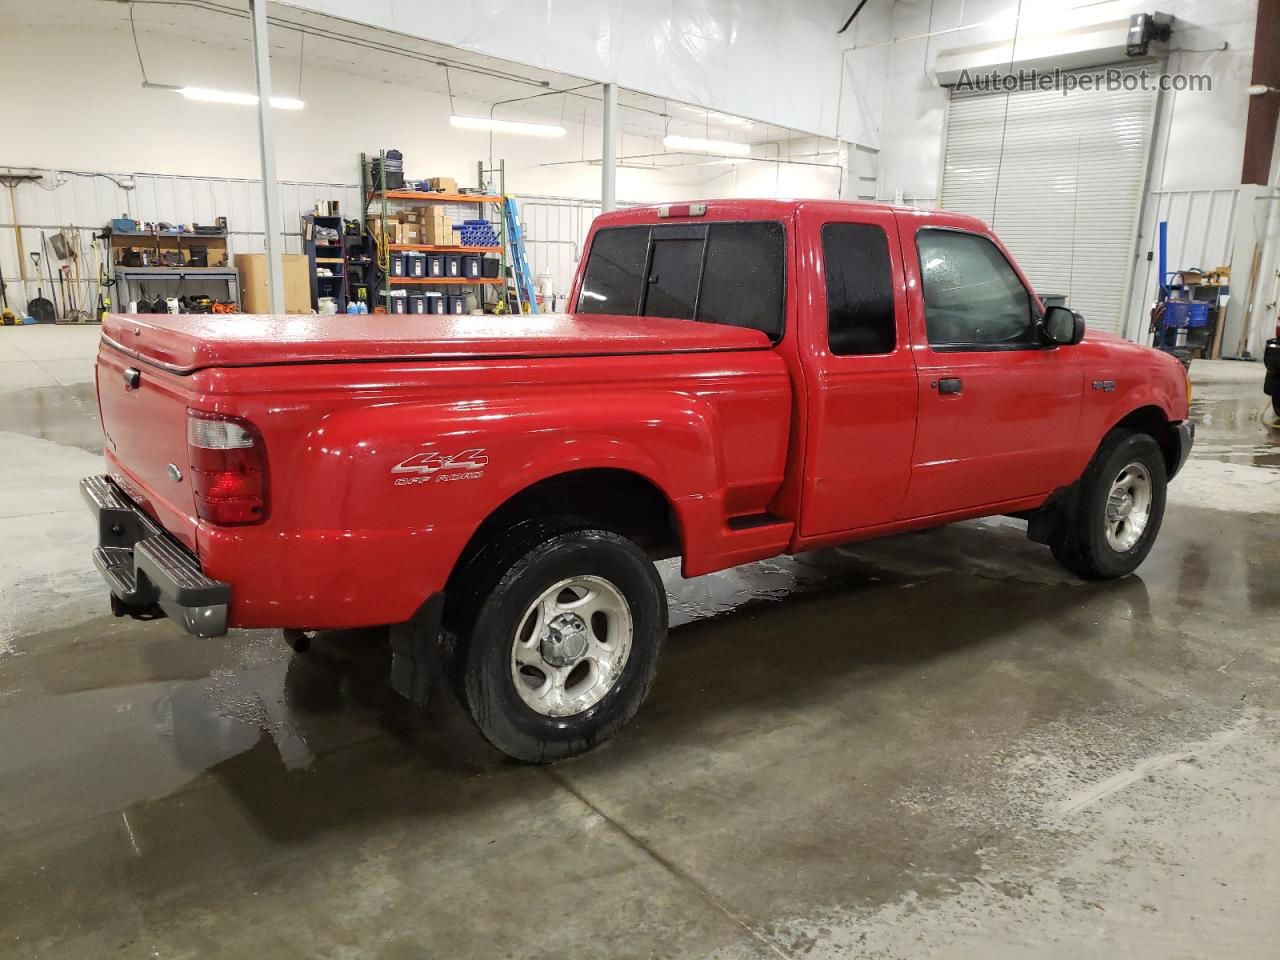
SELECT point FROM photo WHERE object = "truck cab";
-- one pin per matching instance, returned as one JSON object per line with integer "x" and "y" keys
{"x": 737, "y": 379}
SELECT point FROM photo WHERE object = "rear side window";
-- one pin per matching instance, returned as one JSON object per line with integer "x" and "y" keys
{"x": 612, "y": 281}
{"x": 860, "y": 313}
{"x": 728, "y": 273}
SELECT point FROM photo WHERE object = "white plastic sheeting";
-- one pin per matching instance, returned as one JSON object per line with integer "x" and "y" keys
{"x": 760, "y": 59}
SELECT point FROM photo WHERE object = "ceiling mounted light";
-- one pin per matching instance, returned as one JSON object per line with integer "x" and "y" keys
{"x": 206, "y": 95}
{"x": 706, "y": 146}
{"x": 507, "y": 126}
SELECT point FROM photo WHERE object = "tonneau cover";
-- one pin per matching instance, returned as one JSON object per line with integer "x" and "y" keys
{"x": 187, "y": 342}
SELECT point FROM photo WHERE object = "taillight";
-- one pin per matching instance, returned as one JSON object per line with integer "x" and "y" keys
{"x": 228, "y": 468}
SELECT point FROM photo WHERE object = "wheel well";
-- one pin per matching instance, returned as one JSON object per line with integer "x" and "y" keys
{"x": 616, "y": 500}
{"x": 1152, "y": 421}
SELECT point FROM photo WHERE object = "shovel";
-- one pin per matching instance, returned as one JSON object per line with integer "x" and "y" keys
{"x": 41, "y": 309}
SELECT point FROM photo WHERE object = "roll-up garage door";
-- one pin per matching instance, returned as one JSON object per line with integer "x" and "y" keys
{"x": 1060, "y": 179}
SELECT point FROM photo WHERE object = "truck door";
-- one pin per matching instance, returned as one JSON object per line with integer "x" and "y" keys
{"x": 860, "y": 379}
{"x": 998, "y": 407}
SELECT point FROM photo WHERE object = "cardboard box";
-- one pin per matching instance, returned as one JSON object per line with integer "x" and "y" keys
{"x": 409, "y": 233}
{"x": 254, "y": 297}
{"x": 393, "y": 230}
{"x": 438, "y": 232}
{"x": 443, "y": 184}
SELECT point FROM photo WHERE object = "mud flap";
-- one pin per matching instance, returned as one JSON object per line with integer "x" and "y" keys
{"x": 1049, "y": 523}
{"x": 415, "y": 651}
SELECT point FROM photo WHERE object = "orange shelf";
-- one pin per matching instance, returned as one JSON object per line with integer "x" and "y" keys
{"x": 447, "y": 281}
{"x": 425, "y": 197}
{"x": 438, "y": 249}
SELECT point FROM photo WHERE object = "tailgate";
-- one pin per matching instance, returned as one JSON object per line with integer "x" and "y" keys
{"x": 144, "y": 417}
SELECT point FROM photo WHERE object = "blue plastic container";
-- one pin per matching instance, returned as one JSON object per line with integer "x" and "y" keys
{"x": 1186, "y": 313}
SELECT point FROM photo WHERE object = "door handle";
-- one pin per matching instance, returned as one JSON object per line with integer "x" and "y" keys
{"x": 947, "y": 385}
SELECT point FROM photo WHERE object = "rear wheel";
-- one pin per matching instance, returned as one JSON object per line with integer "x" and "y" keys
{"x": 1117, "y": 510}
{"x": 562, "y": 640}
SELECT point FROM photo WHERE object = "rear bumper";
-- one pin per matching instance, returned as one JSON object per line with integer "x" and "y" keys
{"x": 1185, "y": 436}
{"x": 146, "y": 569}
{"x": 1271, "y": 360}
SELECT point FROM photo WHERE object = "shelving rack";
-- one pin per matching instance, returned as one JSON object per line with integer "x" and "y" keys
{"x": 379, "y": 198}
{"x": 329, "y": 255}
{"x": 176, "y": 244}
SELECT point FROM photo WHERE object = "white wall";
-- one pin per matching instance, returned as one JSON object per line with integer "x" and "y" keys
{"x": 94, "y": 114}
{"x": 770, "y": 61}
{"x": 1199, "y": 141}
{"x": 194, "y": 161}
{"x": 914, "y": 113}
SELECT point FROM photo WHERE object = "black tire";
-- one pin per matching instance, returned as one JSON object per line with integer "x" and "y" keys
{"x": 1083, "y": 547}
{"x": 495, "y": 593}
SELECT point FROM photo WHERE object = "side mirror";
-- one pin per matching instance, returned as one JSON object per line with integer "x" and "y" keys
{"x": 1062, "y": 326}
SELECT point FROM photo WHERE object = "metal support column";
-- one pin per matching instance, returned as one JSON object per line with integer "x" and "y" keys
{"x": 609, "y": 156}
{"x": 267, "y": 143}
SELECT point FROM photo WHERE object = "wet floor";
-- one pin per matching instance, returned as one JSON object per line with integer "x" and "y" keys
{"x": 938, "y": 744}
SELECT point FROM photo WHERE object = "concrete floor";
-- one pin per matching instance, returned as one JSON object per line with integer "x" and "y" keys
{"x": 938, "y": 744}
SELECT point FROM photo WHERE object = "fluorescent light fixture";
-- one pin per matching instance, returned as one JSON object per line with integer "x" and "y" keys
{"x": 206, "y": 95}
{"x": 705, "y": 146}
{"x": 507, "y": 126}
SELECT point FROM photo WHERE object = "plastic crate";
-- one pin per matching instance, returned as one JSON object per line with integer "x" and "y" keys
{"x": 476, "y": 233}
{"x": 1186, "y": 313}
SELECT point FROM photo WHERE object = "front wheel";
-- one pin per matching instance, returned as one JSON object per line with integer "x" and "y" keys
{"x": 564, "y": 642}
{"x": 1118, "y": 508}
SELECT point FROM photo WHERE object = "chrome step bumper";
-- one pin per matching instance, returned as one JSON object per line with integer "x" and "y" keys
{"x": 145, "y": 568}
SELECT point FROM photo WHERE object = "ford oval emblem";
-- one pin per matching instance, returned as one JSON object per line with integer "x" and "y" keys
{"x": 174, "y": 473}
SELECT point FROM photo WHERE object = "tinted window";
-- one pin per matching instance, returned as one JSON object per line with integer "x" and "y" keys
{"x": 972, "y": 297}
{"x": 860, "y": 315}
{"x": 673, "y": 278}
{"x": 612, "y": 281}
{"x": 742, "y": 284}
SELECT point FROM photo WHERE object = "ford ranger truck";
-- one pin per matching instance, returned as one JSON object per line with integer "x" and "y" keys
{"x": 738, "y": 379}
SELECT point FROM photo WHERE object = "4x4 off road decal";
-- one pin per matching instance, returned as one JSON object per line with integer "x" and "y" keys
{"x": 432, "y": 467}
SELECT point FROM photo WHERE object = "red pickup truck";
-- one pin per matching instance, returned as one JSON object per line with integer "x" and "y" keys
{"x": 740, "y": 379}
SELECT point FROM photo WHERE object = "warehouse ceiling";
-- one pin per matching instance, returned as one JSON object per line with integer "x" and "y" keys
{"x": 478, "y": 83}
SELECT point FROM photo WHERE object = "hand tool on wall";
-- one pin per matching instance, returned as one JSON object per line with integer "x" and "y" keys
{"x": 60, "y": 293}
{"x": 40, "y": 308}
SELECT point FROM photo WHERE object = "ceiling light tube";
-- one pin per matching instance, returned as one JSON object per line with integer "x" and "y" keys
{"x": 705, "y": 146}
{"x": 507, "y": 126}
{"x": 207, "y": 95}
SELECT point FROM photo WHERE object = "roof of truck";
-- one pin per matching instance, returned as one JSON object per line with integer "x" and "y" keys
{"x": 744, "y": 208}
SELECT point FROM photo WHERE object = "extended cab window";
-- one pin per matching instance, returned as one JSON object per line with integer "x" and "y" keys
{"x": 972, "y": 297}
{"x": 860, "y": 315}
{"x": 730, "y": 273}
